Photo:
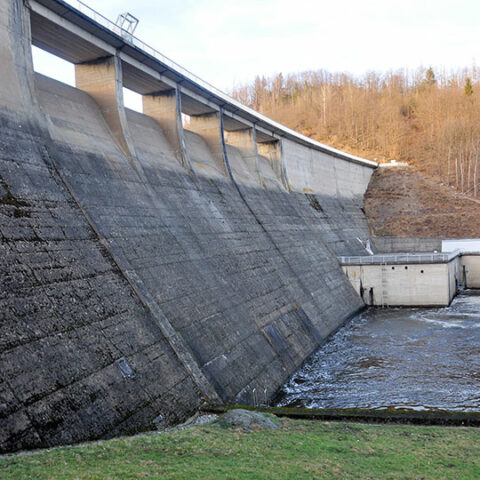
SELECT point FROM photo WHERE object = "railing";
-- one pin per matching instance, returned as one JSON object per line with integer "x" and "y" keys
{"x": 110, "y": 25}
{"x": 404, "y": 258}
{"x": 176, "y": 68}
{"x": 128, "y": 37}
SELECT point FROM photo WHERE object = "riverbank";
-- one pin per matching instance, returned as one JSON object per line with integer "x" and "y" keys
{"x": 298, "y": 450}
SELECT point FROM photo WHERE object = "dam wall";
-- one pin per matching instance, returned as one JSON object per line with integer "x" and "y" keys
{"x": 147, "y": 266}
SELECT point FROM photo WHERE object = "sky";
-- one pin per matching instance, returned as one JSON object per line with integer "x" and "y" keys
{"x": 229, "y": 42}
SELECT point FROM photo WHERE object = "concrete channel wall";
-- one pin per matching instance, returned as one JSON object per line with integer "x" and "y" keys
{"x": 470, "y": 269}
{"x": 407, "y": 244}
{"x": 145, "y": 268}
{"x": 408, "y": 280}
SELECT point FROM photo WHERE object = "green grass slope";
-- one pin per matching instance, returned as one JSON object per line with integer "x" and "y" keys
{"x": 298, "y": 450}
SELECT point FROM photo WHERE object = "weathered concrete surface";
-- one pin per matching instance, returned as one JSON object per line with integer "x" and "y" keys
{"x": 243, "y": 158}
{"x": 201, "y": 253}
{"x": 165, "y": 108}
{"x": 334, "y": 189}
{"x": 102, "y": 79}
{"x": 470, "y": 270}
{"x": 312, "y": 171}
{"x": 271, "y": 165}
{"x": 210, "y": 129}
{"x": 415, "y": 283}
{"x": 407, "y": 244}
{"x": 67, "y": 313}
{"x": 142, "y": 270}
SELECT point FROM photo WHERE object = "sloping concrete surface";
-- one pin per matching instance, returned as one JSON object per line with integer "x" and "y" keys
{"x": 133, "y": 287}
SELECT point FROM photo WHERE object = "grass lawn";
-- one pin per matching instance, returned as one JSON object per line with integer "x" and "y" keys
{"x": 300, "y": 449}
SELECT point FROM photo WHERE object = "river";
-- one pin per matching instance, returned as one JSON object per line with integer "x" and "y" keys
{"x": 415, "y": 358}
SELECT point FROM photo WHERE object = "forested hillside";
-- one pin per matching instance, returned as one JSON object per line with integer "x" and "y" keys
{"x": 428, "y": 118}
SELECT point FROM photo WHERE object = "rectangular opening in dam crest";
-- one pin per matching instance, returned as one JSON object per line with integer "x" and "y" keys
{"x": 52, "y": 66}
{"x": 132, "y": 100}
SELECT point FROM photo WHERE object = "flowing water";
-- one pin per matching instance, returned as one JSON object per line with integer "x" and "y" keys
{"x": 414, "y": 358}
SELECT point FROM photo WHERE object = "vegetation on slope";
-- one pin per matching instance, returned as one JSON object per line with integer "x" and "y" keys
{"x": 427, "y": 118}
{"x": 402, "y": 202}
{"x": 298, "y": 450}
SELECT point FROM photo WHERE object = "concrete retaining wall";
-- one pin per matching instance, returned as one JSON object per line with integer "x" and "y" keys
{"x": 470, "y": 270}
{"x": 141, "y": 271}
{"x": 430, "y": 284}
{"x": 404, "y": 245}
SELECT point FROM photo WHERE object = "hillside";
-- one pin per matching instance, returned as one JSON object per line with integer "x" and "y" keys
{"x": 425, "y": 117}
{"x": 402, "y": 202}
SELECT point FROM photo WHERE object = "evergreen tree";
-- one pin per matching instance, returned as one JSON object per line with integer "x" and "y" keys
{"x": 468, "y": 88}
{"x": 430, "y": 79}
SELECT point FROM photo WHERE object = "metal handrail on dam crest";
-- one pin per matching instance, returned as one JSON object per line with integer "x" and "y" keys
{"x": 136, "y": 42}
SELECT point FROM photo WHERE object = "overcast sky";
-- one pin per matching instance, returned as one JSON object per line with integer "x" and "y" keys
{"x": 229, "y": 42}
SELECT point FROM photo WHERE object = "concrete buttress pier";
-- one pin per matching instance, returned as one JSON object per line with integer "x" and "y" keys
{"x": 245, "y": 143}
{"x": 146, "y": 267}
{"x": 166, "y": 109}
{"x": 273, "y": 152}
{"x": 102, "y": 80}
{"x": 209, "y": 126}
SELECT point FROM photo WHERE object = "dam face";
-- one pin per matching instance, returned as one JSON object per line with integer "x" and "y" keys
{"x": 146, "y": 267}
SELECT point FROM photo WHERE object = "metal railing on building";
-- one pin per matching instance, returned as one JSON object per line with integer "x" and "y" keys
{"x": 403, "y": 258}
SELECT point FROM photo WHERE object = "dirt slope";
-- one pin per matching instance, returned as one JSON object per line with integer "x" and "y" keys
{"x": 402, "y": 202}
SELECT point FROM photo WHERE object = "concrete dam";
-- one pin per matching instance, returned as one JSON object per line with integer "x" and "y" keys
{"x": 148, "y": 266}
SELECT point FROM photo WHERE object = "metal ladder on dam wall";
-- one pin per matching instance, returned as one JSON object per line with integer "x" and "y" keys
{"x": 384, "y": 286}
